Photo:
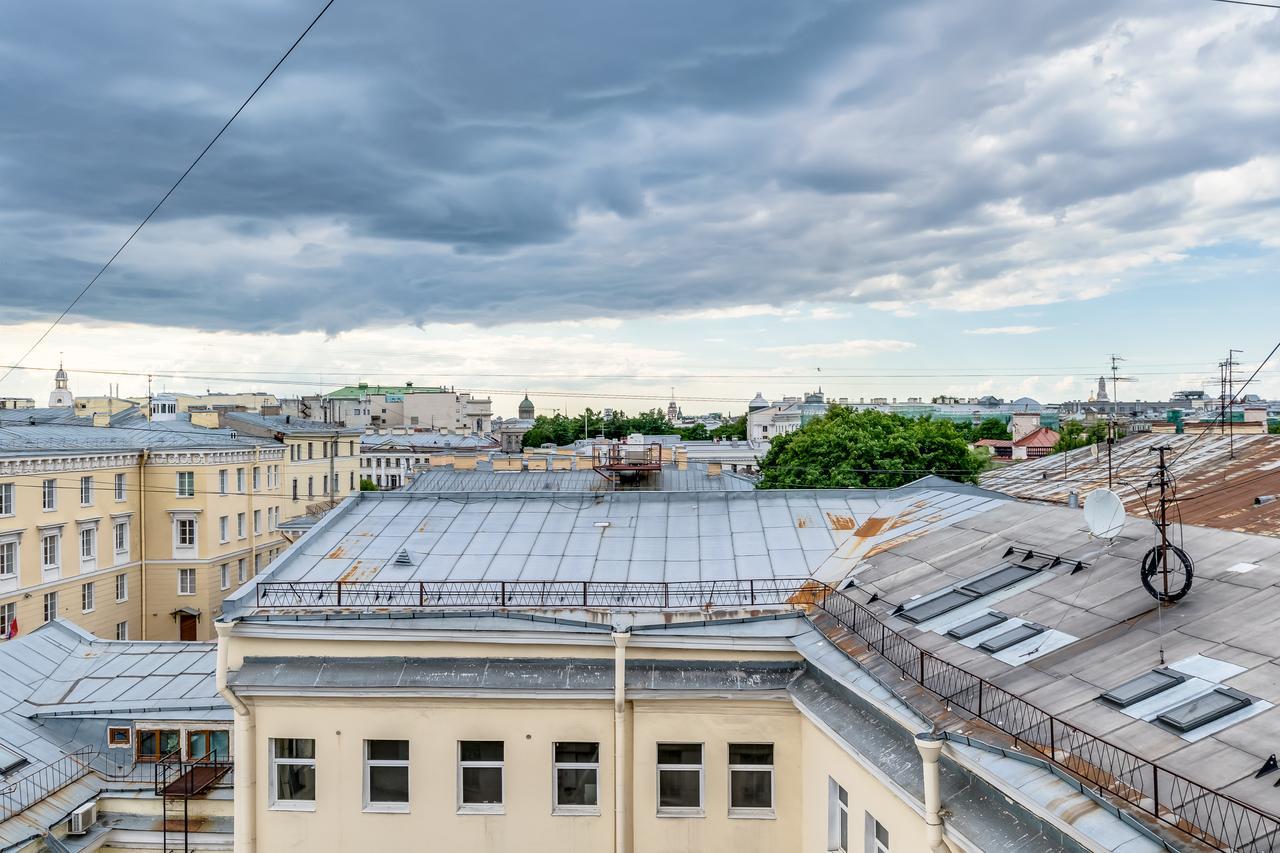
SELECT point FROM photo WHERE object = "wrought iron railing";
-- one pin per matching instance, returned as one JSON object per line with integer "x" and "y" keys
{"x": 47, "y": 779}
{"x": 1209, "y": 816}
{"x": 657, "y": 595}
{"x": 173, "y": 768}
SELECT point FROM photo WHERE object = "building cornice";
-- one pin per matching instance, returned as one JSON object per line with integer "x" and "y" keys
{"x": 52, "y": 464}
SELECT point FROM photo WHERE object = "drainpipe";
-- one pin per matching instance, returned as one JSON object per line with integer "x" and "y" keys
{"x": 253, "y": 530}
{"x": 142, "y": 535}
{"x": 243, "y": 751}
{"x": 621, "y": 790}
{"x": 930, "y": 746}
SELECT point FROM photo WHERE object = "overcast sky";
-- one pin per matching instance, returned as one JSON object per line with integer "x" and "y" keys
{"x": 721, "y": 196}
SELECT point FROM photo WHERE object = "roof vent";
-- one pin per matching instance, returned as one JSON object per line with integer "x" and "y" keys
{"x": 403, "y": 558}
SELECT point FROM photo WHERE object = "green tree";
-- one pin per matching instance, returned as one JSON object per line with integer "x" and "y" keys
{"x": 867, "y": 449}
{"x": 367, "y": 485}
{"x": 1273, "y": 427}
{"x": 733, "y": 429}
{"x": 697, "y": 432}
{"x": 1072, "y": 436}
{"x": 992, "y": 428}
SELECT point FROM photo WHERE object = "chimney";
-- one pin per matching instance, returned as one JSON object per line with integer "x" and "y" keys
{"x": 713, "y": 469}
{"x": 101, "y": 419}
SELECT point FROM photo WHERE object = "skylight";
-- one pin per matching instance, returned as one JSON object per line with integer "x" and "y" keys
{"x": 976, "y": 626}
{"x": 997, "y": 580}
{"x": 1012, "y": 637}
{"x": 1143, "y": 687}
{"x": 944, "y": 603}
{"x": 10, "y": 760}
{"x": 1205, "y": 709}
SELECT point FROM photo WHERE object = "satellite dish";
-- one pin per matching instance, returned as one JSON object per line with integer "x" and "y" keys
{"x": 1104, "y": 513}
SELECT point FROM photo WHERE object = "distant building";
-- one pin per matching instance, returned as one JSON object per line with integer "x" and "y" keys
{"x": 61, "y": 397}
{"x": 382, "y": 406}
{"x": 17, "y": 403}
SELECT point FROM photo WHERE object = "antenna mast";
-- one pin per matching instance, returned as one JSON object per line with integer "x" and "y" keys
{"x": 1116, "y": 379}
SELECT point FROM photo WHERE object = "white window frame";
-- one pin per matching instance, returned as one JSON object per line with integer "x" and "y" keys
{"x": 557, "y": 808}
{"x": 289, "y": 805}
{"x": 240, "y": 481}
{"x": 88, "y": 535}
{"x": 186, "y": 484}
{"x": 224, "y": 529}
{"x": 118, "y": 525}
{"x": 179, "y": 548}
{"x": 757, "y": 812}
{"x": 86, "y": 490}
{"x": 385, "y": 807}
{"x": 224, "y": 576}
{"x": 873, "y": 842}
{"x": 223, "y": 481}
{"x": 257, "y": 478}
{"x": 483, "y": 808}
{"x": 184, "y": 588}
{"x": 241, "y": 526}
{"x": 6, "y": 500}
{"x": 683, "y": 811}
{"x": 54, "y": 536}
{"x": 257, "y": 522}
{"x": 8, "y": 615}
{"x": 50, "y": 598}
{"x": 240, "y": 569}
{"x": 11, "y": 545}
{"x": 837, "y": 817}
{"x": 122, "y": 588}
{"x": 120, "y": 488}
{"x": 122, "y": 630}
{"x": 88, "y": 597}
{"x": 49, "y": 495}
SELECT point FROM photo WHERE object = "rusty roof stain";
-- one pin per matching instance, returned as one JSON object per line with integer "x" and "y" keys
{"x": 1215, "y": 490}
{"x": 839, "y": 521}
{"x": 872, "y": 527}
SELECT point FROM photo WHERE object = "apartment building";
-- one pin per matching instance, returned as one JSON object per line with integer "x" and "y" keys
{"x": 321, "y": 462}
{"x": 132, "y": 532}
{"x": 681, "y": 671}
{"x": 408, "y": 405}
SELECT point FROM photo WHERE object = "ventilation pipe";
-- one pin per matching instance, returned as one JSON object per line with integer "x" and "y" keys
{"x": 1073, "y": 499}
{"x": 930, "y": 746}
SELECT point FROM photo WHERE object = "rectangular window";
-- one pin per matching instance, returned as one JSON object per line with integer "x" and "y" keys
{"x": 1012, "y": 637}
{"x": 1143, "y": 687}
{"x": 224, "y": 528}
{"x": 119, "y": 487}
{"x": 122, "y": 630}
{"x": 8, "y": 615}
{"x": 86, "y": 491}
{"x": 351, "y": 480}
{"x": 976, "y": 626}
{"x": 837, "y": 817}
{"x": 186, "y": 581}
{"x": 257, "y": 522}
{"x": 257, "y": 478}
{"x": 311, "y": 450}
{"x": 240, "y": 525}
{"x": 386, "y": 775}
{"x": 240, "y": 480}
{"x": 240, "y": 570}
{"x": 120, "y": 537}
{"x": 50, "y": 606}
{"x": 86, "y": 597}
{"x": 293, "y": 773}
{"x": 186, "y": 484}
{"x": 877, "y": 836}
{"x": 186, "y": 532}
{"x": 122, "y": 588}
{"x": 6, "y": 498}
{"x": 324, "y": 488}
{"x": 8, "y": 565}
{"x": 935, "y": 606}
{"x": 49, "y": 495}
{"x": 750, "y": 779}
{"x": 223, "y": 481}
{"x": 576, "y": 765}
{"x": 224, "y": 573}
{"x": 88, "y": 544}
{"x": 1205, "y": 709}
{"x": 997, "y": 580}
{"x": 295, "y": 488}
{"x": 680, "y": 779}
{"x": 49, "y": 550}
{"x": 480, "y": 776}
{"x": 311, "y": 487}
{"x": 154, "y": 744}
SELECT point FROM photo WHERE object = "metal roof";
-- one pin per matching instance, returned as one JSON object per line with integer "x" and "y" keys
{"x": 22, "y": 440}
{"x": 287, "y": 424}
{"x": 425, "y": 440}
{"x": 483, "y": 478}
{"x": 355, "y": 392}
{"x": 1215, "y": 489}
{"x": 617, "y": 536}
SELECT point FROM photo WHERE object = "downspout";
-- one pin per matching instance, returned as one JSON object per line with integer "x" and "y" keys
{"x": 930, "y": 746}
{"x": 142, "y": 534}
{"x": 243, "y": 751}
{"x": 621, "y": 792}
{"x": 253, "y": 529}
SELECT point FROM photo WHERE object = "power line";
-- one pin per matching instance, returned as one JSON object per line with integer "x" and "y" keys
{"x": 1252, "y": 376}
{"x": 1248, "y": 3}
{"x": 165, "y": 197}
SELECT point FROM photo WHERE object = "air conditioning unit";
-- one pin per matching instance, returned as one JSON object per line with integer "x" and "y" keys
{"x": 83, "y": 818}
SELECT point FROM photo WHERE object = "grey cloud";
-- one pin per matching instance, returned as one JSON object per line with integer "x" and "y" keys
{"x": 500, "y": 161}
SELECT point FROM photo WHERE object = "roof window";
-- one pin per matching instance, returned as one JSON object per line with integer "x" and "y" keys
{"x": 1012, "y": 637}
{"x": 10, "y": 760}
{"x": 1143, "y": 687}
{"x": 936, "y": 606}
{"x": 997, "y": 580}
{"x": 976, "y": 626}
{"x": 1205, "y": 709}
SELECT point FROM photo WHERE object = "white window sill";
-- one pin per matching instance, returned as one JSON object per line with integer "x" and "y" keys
{"x": 186, "y": 594}
{"x": 682, "y": 812}
{"x": 482, "y": 808}
{"x": 90, "y": 610}
{"x": 386, "y": 808}
{"x": 120, "y": 500}
{"x": 753, "y": 814}
{"x": 293, "y": 806}
{"x": 122, "y": 601}
{"x": 576, "y": 811}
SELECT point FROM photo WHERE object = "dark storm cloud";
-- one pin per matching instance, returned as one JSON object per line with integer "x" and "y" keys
{"x": 507, "y": 161}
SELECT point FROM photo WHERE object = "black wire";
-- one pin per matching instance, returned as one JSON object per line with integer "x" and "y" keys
{"x": 165, "y": 198}
{"x": 1248, "y": 3}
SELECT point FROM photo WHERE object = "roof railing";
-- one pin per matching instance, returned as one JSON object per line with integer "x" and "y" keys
{"x": 45, "y": 780}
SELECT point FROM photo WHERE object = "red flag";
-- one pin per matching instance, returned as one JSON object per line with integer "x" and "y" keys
{"x": 13, "y": 630}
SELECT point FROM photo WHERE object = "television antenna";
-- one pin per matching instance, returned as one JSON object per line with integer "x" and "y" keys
{"x": 1167, "y": 580}
{"x": 1104, "y": 513}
